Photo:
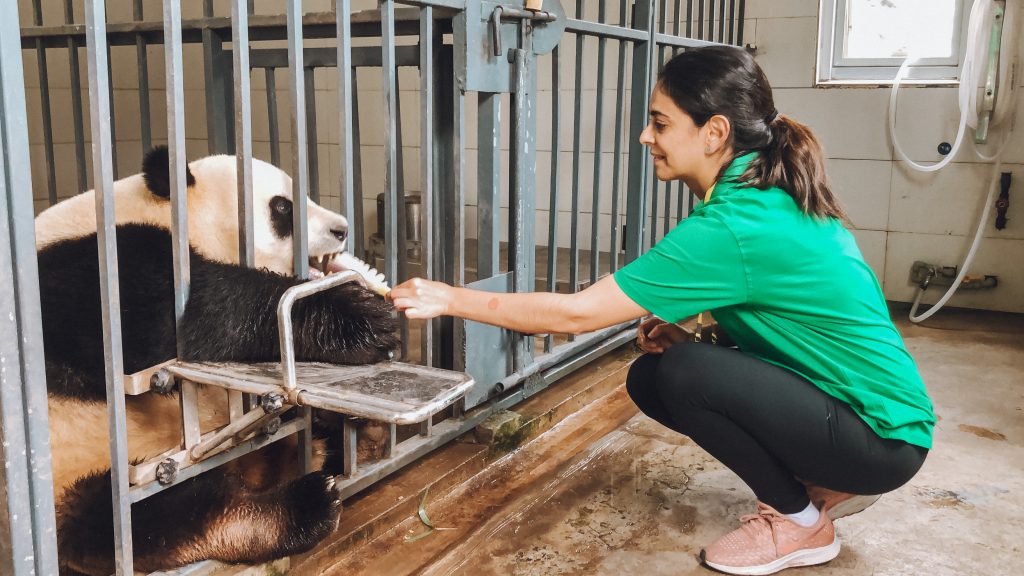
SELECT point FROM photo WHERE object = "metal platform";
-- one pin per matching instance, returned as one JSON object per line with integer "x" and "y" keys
{"x": 392, "y": 392}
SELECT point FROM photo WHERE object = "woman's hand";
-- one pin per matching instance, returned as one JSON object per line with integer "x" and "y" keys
{"x": 654, "y": 335}
{"x": 421, "y": 298}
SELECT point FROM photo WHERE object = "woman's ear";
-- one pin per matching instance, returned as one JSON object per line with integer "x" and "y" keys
{"x": 717, "y": 132}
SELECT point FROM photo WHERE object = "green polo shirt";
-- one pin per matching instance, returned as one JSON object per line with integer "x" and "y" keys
{"x": 792, "y": 290}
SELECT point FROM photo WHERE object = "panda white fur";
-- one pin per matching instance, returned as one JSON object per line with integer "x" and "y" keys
{"x": 249, "y": 511}
{"x": 212, "y": 190}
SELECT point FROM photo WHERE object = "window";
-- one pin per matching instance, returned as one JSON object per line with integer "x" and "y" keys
{"x": 866, "y": 41}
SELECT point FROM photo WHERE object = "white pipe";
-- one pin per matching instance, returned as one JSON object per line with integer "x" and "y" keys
{"x": 993, "y": 186}
{"x": 978, "y": 34}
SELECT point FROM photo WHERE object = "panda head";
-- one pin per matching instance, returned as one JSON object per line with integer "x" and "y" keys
{"x": 212, "y": 188}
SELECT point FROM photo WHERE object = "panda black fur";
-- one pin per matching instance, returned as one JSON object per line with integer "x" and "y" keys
{"x": 248, "y": 511}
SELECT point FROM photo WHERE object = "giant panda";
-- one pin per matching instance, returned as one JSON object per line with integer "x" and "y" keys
{"x": 212, "y": 191}
{"x": 251, "y": 510}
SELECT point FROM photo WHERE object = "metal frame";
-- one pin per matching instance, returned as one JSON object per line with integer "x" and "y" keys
{"x": 644, "y": 34}
{"x": 834, "y": 68}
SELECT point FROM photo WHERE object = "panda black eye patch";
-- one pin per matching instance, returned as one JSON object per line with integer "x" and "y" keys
{"x": 281, "y": 216}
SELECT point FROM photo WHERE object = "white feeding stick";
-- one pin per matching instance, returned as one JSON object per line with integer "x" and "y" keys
{"x": 374, "y": 280}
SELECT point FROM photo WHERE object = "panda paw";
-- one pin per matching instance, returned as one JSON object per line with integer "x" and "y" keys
{"x": 314, "y": 503}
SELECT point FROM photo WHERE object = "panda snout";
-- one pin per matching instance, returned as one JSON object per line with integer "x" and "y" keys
{"x": 340, "y": 233}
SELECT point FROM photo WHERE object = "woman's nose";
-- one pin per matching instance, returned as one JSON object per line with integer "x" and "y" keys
{"x": 645, "y": 136}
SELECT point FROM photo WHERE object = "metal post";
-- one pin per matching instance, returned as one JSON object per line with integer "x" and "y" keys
{"x": 346, "y": 133}
{"x": 76, "y": 101}
{"x": 300, "y": 187}
{"x": 556, "y": 167}
{"x": 142, "y": 57}
{"x": 427, "y": 353}
{"x": 103, "y": 177}
{"x": 243, "y": 131}
{"x": 636, "y": 190}
{"x": 595, "y": 208}
{"x": 44, "y": 97}
{"x": 524, "y": 185}
{"x": 28, "y": 541}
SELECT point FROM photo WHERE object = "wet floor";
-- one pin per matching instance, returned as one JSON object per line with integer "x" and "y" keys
{"x": 634, "y": 498}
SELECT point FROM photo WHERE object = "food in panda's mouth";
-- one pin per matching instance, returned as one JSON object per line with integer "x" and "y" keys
{"x": 340, "y": 261}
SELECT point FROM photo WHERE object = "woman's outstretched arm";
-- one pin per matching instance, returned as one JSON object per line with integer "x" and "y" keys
{"x": 599, "y": 306}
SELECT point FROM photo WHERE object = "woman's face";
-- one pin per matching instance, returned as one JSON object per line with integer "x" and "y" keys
{"x": 676, "y": 143}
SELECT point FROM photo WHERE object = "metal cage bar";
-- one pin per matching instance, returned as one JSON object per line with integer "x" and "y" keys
{"x": 103, "y": 176}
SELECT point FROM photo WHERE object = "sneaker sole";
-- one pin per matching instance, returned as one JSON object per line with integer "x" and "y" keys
{"x": 851, "y": 506}
{"x": 805, "y": 557}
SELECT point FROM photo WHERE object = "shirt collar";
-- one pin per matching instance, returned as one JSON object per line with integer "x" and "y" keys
{"x": 731, "y": 175}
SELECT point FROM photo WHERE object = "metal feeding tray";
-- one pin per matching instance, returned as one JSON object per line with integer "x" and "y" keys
{"x": 392, "y": 392}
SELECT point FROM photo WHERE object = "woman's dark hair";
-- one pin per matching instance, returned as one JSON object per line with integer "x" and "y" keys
{"x": 725, "y": 80}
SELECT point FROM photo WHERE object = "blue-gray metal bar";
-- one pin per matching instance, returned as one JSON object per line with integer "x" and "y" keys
{"x": 601, "y": 30}
{"x": 176, "y": 151}
{"x": 243, "y": 131}
{"x": 655, "y": 186}
{"x": 427, "y": 245}
{"x": 523, "y": 200}
{"x": 732, "y": 21}
{"x": 346, "y": 99}
{"x": 314, "y": 156}
{"x": 636, "y": 191}
{"x": 78, "y": 115}
{"x": 556, "y": 170}
{"x": 620, "y": 93}
{"x": 356, "y": 166}
{"x": 300, "y": 173}
{"x": 103, "y": 178}
{"x": 216, "y": 91}
{"x": 595, "y": 208}
{"x": 700, "y": 19}
{"x": 675, "y": 22}
{"x": 113, "y": 117}
{"x": 673, "y": 41}
{"x": 689, "y": 18}
{"x": 401, "y": 244}
{"x": 488, "y": 183}
{"x": 142, "y": 58}
{"x": 273, "y": 124}
{"x": 668, "y": 206}
{"x": 721, "y": 20}
{"x": 456, "y": 4}
{"x": 25, "y": 478}
{"x": 300, "y": 188}
{"x": 390, "y": 97}
{"x": 577, "y": 145}
{"x": 739, "y": 22}
{"x": 680, "y": 197}
{"x": 44, "y": 97}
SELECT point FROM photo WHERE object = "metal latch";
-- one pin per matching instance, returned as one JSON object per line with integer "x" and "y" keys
{"x": 510, "y": 13}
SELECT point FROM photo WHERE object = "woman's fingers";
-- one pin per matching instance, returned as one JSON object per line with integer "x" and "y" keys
{"x": 421, "y": 299}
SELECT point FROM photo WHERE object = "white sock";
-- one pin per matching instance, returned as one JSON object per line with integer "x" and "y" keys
{"x": 807, "y": 517}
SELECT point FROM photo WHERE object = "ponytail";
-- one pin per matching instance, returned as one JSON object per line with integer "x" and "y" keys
{"x": 726, "y": 80}
{"x": 794, "y": 161}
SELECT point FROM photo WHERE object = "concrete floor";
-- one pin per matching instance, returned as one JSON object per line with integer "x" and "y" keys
{"x": 608, "y": 491}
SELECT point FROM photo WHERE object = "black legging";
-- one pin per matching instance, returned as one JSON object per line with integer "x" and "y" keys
{"x": 768, "y": 425}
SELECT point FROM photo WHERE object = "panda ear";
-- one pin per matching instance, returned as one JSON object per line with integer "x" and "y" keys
{"x": 156, "y": 172}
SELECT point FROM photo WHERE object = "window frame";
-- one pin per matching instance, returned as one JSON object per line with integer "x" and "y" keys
{"x": 833, "y": 69}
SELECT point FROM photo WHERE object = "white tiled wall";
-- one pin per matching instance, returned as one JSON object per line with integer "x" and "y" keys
{"x": 899, "y": 215}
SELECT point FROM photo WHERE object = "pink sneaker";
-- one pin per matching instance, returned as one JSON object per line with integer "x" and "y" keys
{"x": 839, "y": 504}
{"x": 769, "y": 541}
